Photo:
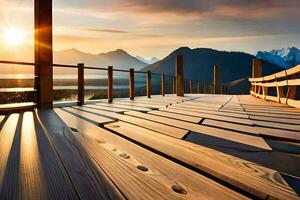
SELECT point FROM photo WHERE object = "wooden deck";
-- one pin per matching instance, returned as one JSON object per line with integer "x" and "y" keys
{"x": 192, "y": 147}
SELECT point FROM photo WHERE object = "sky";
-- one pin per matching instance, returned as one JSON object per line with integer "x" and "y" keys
{"x": 151, "y": 28}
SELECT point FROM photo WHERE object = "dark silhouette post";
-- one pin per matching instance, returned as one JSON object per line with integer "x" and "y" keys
{"x": 80, "y": 84}
{"x": 43, "y": 53}
{"x": 179, "y": 76}
{"x": 131, "y": 84}
{"x": 198, "y": 87}
{"x": 163, "y": 85}
{"x": 149, "y": 84}
{"x": 191, "y": 87}
{"x": 174, "y": 85}
{"x": 110, "y": 84}
{"x": 216, "y": 79}
{"x": 256, "y": 73}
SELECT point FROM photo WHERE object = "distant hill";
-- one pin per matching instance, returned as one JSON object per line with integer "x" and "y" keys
{"x": 285, "y": 57}
{"x": 151, "y": 61}
{"x": 199, "y": 64}
{"x": 119, "y": 59}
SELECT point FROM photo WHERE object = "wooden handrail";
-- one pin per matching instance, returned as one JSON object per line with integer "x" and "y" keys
{"x": 82, "y": 67}
{"x": 287, "y": 78}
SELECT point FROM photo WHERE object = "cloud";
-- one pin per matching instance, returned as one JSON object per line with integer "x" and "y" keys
{"x": 199, "y": 8}
{"x": 105, "y": 30}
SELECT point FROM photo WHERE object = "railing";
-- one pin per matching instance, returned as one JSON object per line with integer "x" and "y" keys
{"x": 285, "y": 83}
{"x": 149, "y": 76}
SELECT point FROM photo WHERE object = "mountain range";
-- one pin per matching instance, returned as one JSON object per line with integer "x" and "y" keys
{"x": 199, "y": 64}
{"x": 119, "y": 59}
{"x": 151, "y": 61}
{"x": 285, "y": 57}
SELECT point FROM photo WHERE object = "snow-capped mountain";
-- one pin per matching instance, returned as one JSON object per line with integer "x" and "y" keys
{"x": 285, "y": 57}
{"x": 151, "y": 61}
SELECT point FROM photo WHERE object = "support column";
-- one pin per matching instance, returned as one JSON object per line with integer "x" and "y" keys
{"x": 191, "y": 87}
{"x": 163, "y": 85}
{"x": 43, "y": 53}
{"x": 174, "y": 85}
{"x": 131, "y": 84}
{"x": 217, "y": 79}
{"x": 149, "y": 84}
{"x": 110, "y": 83}
{"x": 80, "y": 84}
{"x": 256, "y": 72}
{"x": 198, "y": 87}
{"x": 179, "y": 76}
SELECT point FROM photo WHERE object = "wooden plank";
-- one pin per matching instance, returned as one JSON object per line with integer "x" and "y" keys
{"x": 41, "y": 174}
{"x": 251, "y": 130}
{"x": 90, "y": 181}
{"x": 282, "y": 126}
{"x": 250, "y": 142}
{"x": 286, "y": 135}
{"x": 275, "y": 119}
{"x": 161, "y": 128}
{"x": 16, "y": 107}
{"x": 129, "y": 107}
{"x": 159, "y": 173}
{"x": 222, "y": 112}
{"x": 208, "y": 116}
{"x": 176, "y": 116}
{"x": 143, "y": 105}
{"x": 1, "y": 118}
{"x": 110, "y": 109}
{"x": 232, "y": 170}
{"x": 95, "y": 118}
{"x": 7, "y": 135}
{"x": 277, "y": 116}
{"x": 150, "y": 101}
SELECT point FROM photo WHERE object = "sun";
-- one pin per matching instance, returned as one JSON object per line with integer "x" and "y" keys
{"x": 12, "y": 36}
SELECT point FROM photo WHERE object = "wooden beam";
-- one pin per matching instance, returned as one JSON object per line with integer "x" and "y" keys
{"x": 110, "y": 84}
{"x": 191, "y": 87}
{"x": 43, "y": 53}
{"x": 174, "y": 85}
{"x": 149, "y": 84}
{"x": 163, "y": 85}
{"x": 131, "y": 84}
{"x": 217, "y": 81}
{"x": 80, "y": 84}
{"x": 291, "y": 93}
{"x": 198, "y": 87}
{"x": 256, "y": 72}
{"x": 179, "y": 76}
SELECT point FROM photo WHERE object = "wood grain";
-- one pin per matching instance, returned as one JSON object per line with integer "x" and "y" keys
{"x": 160, "y": 175}
{"x": 90, "y": 181}
{"x": 158, "y": 127}
{"x": 233, "y": 170}
{"x": 252, "y": 140}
